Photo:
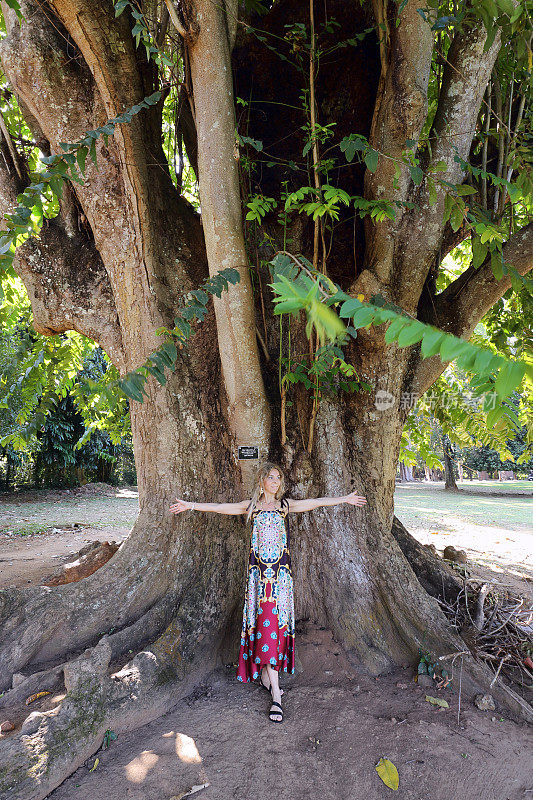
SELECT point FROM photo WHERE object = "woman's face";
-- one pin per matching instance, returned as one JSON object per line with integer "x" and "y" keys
{"x": 272, "y": 481}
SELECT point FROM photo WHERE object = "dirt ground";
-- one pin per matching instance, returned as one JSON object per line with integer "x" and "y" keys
{"x": 339, "y": 720}
{"x": 491, "y": 522}
{"x": 42, "y": 529}
{"x": 338, "y": 723}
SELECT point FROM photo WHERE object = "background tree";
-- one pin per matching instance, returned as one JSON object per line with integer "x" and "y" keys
{"x": 56, "y": 427}
{"x": 451, "y": 416}
{"x": 489, "y": 460}
{"x": 363, "y": 139}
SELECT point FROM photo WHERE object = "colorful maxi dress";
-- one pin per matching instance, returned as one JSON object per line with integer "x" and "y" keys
{"x": 267, "y": 635}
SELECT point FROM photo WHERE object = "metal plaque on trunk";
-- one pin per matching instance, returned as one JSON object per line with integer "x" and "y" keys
{"x": 248, "y": 452}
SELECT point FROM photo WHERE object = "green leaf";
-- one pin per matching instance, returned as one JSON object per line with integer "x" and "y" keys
{"x": 431, "y": 342}
{"x": 138, "y": 381}
{"x": 362, "y": 317}
{"x": 255, "y": 143}
{"x": 510, "y": 377}
{"x": 327, "y": 319}
{"x": 465, "y": 189}
{"x": 507, "y": 6}
{"x": 349, "y": 308}
{"x": 131, "y": 391}
{"x": 447, "y": 208}
{"x": 437, "y": 701}
{"x": 411, "y": 333}
{"x": 170, "y": 349}
{"x": 158, "y": 374}
{"x": 57, "y": 185}
{"x": 120, "y": 5}
{"x": 490, "y": 7}
{"x": 92, "y": 151}
{"x": 201, "y": 296}
{"x": 483, "y": 362}
{"x": 81, "y": 156}
{"x": 493, "y": 416}
{"x": 231, "y": 274}
{"x": 395, "y": 327}
{"x": 486, "y": 234}
{"x": 451, "y": 347}
{"x": 15, "y": 5}
{"x": 351, "y": 144}
{"x": 496, "y": 263}
{"x": 153, "y": 98}
{"x": 371, "y": 160}
{"x": 456, "y": 217}
{"x": 287, "y": 306}
{"x": 479, "y": 252}
{"x": 416, "y": 174}
{"x": 161, "y": 361}
{"x": 491, "y": 35}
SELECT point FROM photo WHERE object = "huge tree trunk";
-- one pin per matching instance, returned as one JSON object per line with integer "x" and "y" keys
{"x": 131, "y": 638}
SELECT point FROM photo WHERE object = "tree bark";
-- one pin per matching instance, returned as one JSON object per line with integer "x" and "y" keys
{"x": 209, "y": 54}
{"x": 175, "y": 426}
{"x": 449, "y": 475}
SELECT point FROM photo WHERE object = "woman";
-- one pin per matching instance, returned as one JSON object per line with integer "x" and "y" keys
{"x": 267, "y": 636}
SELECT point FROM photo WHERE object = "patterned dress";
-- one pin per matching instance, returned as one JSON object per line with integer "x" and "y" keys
{"x": 267, "y": 635}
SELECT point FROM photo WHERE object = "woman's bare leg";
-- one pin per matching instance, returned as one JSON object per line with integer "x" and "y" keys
{"x": 275, "y": 690}
{"x": 266, "y": 679}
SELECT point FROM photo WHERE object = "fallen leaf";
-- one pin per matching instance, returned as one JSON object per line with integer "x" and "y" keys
{"x": 388, "y": 773}
{"x": 33, "y": 697}
{"x": 190, "y": 791}
{"x": 437, "y": 701}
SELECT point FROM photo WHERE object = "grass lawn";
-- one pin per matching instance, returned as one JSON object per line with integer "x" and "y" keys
{"x": 495, "y": 531}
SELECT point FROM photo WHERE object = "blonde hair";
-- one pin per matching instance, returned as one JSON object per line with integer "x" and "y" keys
{"x": 261, "y": 474}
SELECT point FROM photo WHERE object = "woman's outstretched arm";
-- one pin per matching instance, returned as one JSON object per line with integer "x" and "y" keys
{"x": 218, "y": 508}
{"x": 316, "y": 502}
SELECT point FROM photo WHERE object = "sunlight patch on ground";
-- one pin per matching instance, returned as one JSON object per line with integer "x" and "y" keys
{"x": 138, "y": 768}
{"x": 186, "y": 749}
{"x": 127, "y": 493}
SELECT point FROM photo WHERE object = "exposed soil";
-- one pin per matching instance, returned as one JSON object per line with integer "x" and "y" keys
{"x": 339, "y": 720}
{"x": 338, "y": 723}
{"x": 42, "y": 529}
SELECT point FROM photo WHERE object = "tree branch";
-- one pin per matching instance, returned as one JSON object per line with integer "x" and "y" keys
{"x": 459, "y": 307}
{"x": 50, "y": 268}
{"x": 62, "y": 271}
{"x": 139, "y": 222}
{"x": 465, "y": 78}
{"x": 211, "y": 73}
{"x": 399, "y": 114}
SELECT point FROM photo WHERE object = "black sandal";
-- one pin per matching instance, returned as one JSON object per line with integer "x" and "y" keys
{"x": 278, "y": 713}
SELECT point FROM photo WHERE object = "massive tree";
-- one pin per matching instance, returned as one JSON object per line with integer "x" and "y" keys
{"x": 125, "y": 247}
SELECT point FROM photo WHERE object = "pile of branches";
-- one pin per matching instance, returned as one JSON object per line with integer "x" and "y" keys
{"x": 496, "y": 624}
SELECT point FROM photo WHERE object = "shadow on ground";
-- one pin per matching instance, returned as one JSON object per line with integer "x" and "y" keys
{"x": 339, "y": 721}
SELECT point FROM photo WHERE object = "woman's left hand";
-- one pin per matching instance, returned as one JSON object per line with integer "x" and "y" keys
{"x": 354, "y": 499}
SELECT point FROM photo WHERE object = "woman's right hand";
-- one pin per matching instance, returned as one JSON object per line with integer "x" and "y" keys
{"x": 179, "y": 506}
